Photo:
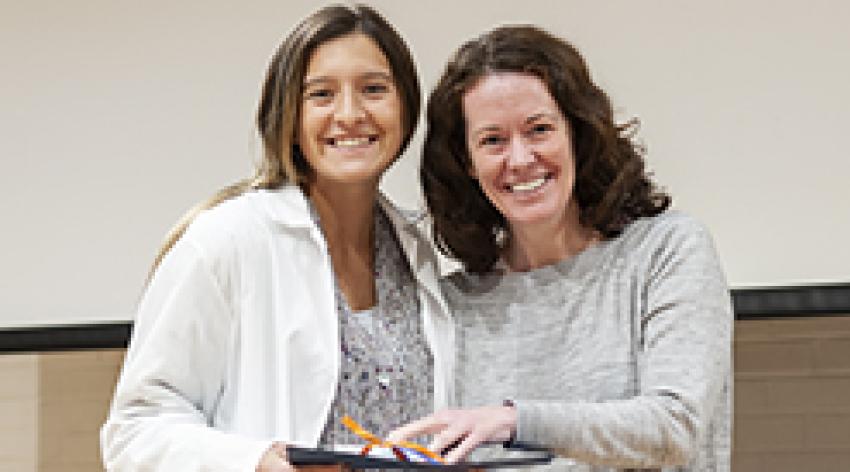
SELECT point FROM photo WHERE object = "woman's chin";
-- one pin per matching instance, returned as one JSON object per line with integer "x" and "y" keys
{"x": 534, "y": 218}
{"x": 354, "y": 174}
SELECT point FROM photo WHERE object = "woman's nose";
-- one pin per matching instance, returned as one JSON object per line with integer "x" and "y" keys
{"x": 349, "y": 110}
{"x": 520, "y": 153}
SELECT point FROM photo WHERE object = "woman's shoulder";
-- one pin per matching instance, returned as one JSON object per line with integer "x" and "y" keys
{"x": 245, "y": 219}
{"x": 669, "y": 220}
{"x": 223, "y": 221}
{"x": 671, "y": 237}
{"x": 668, "y": 227}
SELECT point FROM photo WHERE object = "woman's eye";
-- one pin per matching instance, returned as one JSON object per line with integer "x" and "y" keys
{"x": 491, "y": 140}
{"x": 375, "y": 89}
{"x": 319, "y": 94}
{"x": 541, "y": 128}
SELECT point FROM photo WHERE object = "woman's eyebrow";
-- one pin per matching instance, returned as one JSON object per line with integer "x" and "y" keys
{"x": 541, "y": 115}
{"x": 310, "y": 81}
{"x": 529, "y": 120}
{"x": 485, "y": 129}
{"x": 377, "y": 75}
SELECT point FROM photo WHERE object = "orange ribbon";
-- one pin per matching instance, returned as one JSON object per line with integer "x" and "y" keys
{"x": 374, "y": 441}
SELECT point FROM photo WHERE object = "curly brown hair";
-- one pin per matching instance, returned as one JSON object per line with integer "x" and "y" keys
{"x": 612, "y": 186}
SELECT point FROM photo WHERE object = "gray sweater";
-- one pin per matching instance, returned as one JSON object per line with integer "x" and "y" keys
{"x": 617, "y": 358}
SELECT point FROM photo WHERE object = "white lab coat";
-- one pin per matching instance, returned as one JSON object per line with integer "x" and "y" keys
{"x": 236, "y": 340}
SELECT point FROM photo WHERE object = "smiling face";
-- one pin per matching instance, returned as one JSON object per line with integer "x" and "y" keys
{"x": 521, "y": 152}
{"x": 350, "y": 127}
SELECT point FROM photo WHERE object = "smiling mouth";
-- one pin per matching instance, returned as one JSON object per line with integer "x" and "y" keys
{"x": 351, "y": 142}
{"x": 529, "y": 185}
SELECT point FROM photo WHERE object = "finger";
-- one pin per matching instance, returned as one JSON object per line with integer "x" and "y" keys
{"x": 448, "y": 437}
{"x": 280, "y": 449}
{"x": 274, "y": 463}
{"x": 469, "y": 443}
{"x": 282, "y": 466}
{"x": 426, "y": 425}
{"x": 274, "y": 460}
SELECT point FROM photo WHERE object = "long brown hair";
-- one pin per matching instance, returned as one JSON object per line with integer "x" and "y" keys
{"x": 278, "y": 110}
{"x": 612, "y": 187}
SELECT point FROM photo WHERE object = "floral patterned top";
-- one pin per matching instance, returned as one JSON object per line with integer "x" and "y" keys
{"x": 386, "y": 368}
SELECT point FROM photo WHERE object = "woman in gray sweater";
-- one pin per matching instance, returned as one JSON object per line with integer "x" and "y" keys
{"x": 590, "y": 318}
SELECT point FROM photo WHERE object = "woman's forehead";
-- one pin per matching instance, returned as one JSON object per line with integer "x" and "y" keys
{"x": 354, "y": 53}
{"x": 509, "y": 94}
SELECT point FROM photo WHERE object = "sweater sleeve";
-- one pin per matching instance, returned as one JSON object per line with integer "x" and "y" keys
{"x": 172, "y": 377}
{"x": 683, "y": 349}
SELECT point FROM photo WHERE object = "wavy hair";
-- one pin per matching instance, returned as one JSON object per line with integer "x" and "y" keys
{"x": 612, "y": 187}
{"x": 279, "y": 106}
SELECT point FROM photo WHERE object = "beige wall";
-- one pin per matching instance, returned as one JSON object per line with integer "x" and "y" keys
{"x": 118, "y": 116}
{"x": 792, "y": 401}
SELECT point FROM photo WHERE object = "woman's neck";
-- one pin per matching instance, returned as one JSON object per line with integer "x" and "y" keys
{"x": 534, "y": 246}
{"x": 347, "y": 215}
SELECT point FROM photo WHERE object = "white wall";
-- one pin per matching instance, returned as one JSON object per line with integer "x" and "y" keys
{"x": 116, "y": 116}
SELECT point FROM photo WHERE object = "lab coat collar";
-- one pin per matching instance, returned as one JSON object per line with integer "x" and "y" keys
{"x": 288, "y": 207}
{"x": 412, "y": 234}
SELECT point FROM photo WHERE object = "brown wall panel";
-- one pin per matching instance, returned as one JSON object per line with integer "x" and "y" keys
{"x": 792, "y": 400}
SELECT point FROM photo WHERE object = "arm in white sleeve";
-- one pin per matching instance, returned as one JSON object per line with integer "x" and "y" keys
{"x": 173, "y": 376}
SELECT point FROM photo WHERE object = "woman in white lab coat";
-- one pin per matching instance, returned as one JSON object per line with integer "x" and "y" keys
{"x": 302, "y": 294}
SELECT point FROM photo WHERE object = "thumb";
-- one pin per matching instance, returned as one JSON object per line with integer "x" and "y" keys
{"x": 274, "y": 460}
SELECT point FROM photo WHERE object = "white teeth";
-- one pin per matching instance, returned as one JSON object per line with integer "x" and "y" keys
{"x": 351, "y": 142}
{"x": 528, "y": 186}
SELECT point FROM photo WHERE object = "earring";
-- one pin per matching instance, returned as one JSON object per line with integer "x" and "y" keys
{"x": 501, "y": 235}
